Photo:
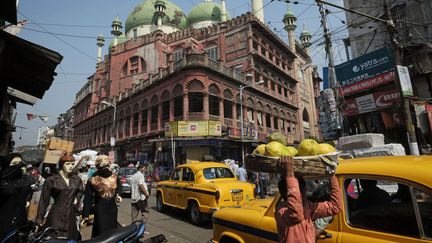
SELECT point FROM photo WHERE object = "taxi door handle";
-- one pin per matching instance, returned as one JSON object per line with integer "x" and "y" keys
{"x": 325, "y": 235}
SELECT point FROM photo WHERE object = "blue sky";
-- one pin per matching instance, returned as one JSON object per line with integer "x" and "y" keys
{"x": 71, "y": 28}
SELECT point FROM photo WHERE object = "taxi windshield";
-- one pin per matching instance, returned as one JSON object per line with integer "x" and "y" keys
{"x": 217, "y": 173}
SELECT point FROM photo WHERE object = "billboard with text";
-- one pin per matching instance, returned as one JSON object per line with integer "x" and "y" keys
{"x": 365, "y": 67}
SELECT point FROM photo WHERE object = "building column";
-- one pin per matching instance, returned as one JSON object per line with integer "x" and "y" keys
{"x": 185, "y": 107}
{"x": 139, "y": 122}
{"x": 206, "y": 106}
{"x": 171, "y": 110}
{"x": 221, "y": 110}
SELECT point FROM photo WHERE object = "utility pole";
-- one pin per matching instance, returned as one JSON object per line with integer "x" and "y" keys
{"x": 328, "y": 44}
{"x": 412, "y": 139}
{"x": 331, "y": 72}
{"x": 411, "y": 136}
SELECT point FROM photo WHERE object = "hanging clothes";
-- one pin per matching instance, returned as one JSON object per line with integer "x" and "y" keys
{"x": 63, "y": 212}
{"x": 102, "y": 189}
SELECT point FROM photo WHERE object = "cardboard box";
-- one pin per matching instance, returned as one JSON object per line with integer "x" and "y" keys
{"x": 59, "y": 144}
{"x": 52, "y": 156}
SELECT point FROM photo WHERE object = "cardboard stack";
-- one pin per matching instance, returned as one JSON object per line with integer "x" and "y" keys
{"x": 367, "y": 145}
{"x": 55, "y": 148}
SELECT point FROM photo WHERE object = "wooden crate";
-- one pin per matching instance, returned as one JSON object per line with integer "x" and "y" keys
{"x": 311, "y": 166}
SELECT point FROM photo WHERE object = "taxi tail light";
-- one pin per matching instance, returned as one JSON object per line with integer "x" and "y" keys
{"x": 123, "y": 179}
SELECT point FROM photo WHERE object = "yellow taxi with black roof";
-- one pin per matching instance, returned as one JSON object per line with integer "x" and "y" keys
{"x": 405, "y": 217}
{"x": 202, "y": 188}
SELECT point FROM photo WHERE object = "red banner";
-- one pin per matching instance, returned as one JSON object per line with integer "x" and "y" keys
{"x": 371, "y": 102}
{"x": 368, "y": 83}
{"x": 429, "y": 114}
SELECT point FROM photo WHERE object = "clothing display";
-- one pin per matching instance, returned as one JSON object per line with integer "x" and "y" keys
{"x": 63, "y": 212}
{"x": 101, "y": 189}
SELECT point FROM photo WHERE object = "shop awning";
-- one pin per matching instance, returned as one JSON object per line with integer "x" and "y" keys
{"x": 25, "y": 66}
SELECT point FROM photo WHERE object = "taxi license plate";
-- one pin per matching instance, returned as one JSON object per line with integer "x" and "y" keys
{"x": 237, "y": 195}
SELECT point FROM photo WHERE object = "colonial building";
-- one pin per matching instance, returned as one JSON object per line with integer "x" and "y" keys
{"x": 169, "y": 88}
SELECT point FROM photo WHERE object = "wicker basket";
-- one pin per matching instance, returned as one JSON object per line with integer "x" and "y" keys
{"x": 313, "y": 166}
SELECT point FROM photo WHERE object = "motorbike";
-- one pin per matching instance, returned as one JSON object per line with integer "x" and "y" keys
{"x": 128, "y": 234}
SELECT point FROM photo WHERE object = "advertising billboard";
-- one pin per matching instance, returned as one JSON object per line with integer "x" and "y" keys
{"x": 371, "y": 102}
{"x": 365, "y": 67}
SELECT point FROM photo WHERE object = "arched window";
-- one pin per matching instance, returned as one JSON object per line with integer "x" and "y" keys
{"x": 282, "y": 120}
{"x": 196, "y": 97}
{"x": 134, "y": 65}
{"x": 306, "y": 119}
{"x": 165, "y": 106}
{"x": 135, "y": 119}
{"x": 154, "y": 109}
{"x": 275, "y": 119}
{"x": 260, "y": 109}
{"x": 178, "y": 100}
{"x": 250, "y": 107}
{"x": 121, "y": 124}
{"x": 127, "y": 122}
{"x": 213, "y": 100}
{"x": 144, "y": 116}
{"x": 228, "y": 107}
{"x": 268, "y": 116}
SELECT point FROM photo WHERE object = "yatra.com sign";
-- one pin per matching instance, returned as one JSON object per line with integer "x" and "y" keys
{"x": 365, "y": 67}
{"x": 371, "y": 102}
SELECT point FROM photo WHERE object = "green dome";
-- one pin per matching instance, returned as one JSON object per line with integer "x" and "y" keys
{"x": 289, "y": 14}
{"x": 121, "y": 39}
{"x": 305, "y": 33}
{"x": 117, "y": 21}
{"x": 205, "y": 11}
{"x": 143, "y": 14}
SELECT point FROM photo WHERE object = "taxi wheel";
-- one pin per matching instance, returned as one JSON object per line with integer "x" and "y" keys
{"x": 160, "y": 206}
{"x": 194, "y": 213}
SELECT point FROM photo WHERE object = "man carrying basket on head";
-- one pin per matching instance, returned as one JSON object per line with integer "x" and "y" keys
{"x": 295, "y": 215}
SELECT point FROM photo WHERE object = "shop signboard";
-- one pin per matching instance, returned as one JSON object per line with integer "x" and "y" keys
{"x": 429, "y": 114}
{"x": 215, "y": 128}
{"x": 371, "y": 102}
{"x": 192, "y": 128}
{"x": 368, "y": 83}
{"x": 365, "y": 67}
{"x": 171, "y": 129}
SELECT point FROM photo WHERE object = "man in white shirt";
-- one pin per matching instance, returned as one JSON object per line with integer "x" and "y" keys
{"x": 139, "y": 195}
{"x": 242, "y": 173}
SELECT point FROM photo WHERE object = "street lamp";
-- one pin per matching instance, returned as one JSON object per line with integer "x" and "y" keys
{"x": 113, "y": 137}
{"x": 242, "y": 87}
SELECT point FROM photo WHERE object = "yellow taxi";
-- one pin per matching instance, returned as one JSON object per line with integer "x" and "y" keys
{"x": 400, "y": 210}
{"x": 202, "y": 188}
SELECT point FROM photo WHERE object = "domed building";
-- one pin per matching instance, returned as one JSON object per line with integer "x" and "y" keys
{"x": 171, "y": 79}
{"x": 205, "y": 14}
{"x": 144, "y": 18}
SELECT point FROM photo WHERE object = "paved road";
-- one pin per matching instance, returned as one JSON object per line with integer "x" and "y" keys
{"x": 174, "y": 225}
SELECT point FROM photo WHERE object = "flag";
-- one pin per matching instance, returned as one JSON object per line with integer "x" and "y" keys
{"x": 31, "y": 116}
{"x": 43, "y": 118}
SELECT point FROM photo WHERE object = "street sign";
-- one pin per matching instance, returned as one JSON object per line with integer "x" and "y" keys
{"x": 112, "y": 141}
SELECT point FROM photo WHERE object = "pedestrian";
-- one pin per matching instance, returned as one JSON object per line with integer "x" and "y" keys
{"x": 139, "y": 195}
{"x": 263, "y": 179}
{"x": 102, "y": 189}
{"x": 295, "y": 214}
{"x": 242, "y": 173}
